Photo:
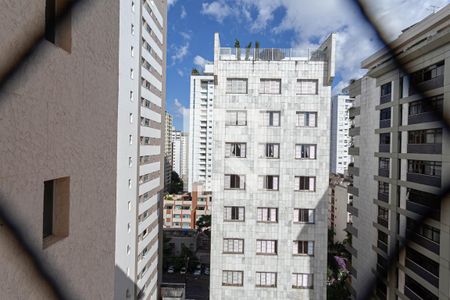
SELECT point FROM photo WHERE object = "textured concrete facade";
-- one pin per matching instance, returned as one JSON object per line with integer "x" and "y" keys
{"x": 82, "y": 119}
{"x": 402, "y": 161}
{"x": 253, "y": 132}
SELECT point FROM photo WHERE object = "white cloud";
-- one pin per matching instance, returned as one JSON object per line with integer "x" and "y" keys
{"x": 180, "y": 53}
{"x": 185, "y": 35}
{"x": 180, "y": 72}
{"x": 200, "y": 62}
{"x": 171, "y": 3}
{"x": 216, "y": 9}
{"x": 313, "y": 21}
{"x": 182, "y": 112}
{"x": 183, "y": 13}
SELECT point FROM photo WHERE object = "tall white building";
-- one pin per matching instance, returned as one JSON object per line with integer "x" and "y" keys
{"x": 184, "y": 157}
{"x": 168, "y": 155}
{"x": 176, "y": 152}
{"x": 402, "y": 167}
{"x": 83, "y": 170}
{"x": 340, "y": 140}
{"x": 270, "y": 172}
{"x": 201, "y": 128}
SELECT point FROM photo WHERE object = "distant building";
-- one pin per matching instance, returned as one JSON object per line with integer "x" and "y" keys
{"x": 201, "y": 201}
{"x": 338, "y": 217}
{"x": 178, "y": 212}
{"x": 168, "y": 150}
{"x": 201, "y": 128}
{"x": 176, "y": 152}
{"x": 340, "y": 139}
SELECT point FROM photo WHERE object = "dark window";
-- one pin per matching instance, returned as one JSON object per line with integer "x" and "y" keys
{"x": 425, "y": 262}
{"x": 58, "y": 23}
{"x": 424, "y": 230}
{"x": 427, "y": 73}
{"x": 385, "y": 138}
{"x": 418, "y": 289}
{"x": 433, "y": 104}
{"x": 385, "y": 114}
{"x": 383, "y": 187}
{"x": 431, "y": 168}
{"x": 383, "y": 163}
{"x": 428, "y": 136}
{"x": 386, "y": 89}
{"x": 48, "y": 209}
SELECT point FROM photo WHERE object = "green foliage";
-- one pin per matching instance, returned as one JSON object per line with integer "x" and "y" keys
{"x": 204, "y": 222}
{"x": 195, "y": 71}
{"x": 176, "y": 185}
{"x": 247, "y": 51}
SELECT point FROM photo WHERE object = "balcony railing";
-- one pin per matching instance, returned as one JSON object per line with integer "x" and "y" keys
{"x": 385, "y": 123}
{"x": 424, "y": 242}
{"x": 382, "y": 245}
{"x": 383, "y": 172}
{"x": 434, "y": 83}
{"x": 423, "y": 210}
{"x": 383, "y": 197}
{"x": 424, "y": 179}
{"x": 425, "y": 148}
{"x": 353, "y": 170}
{"x": 353, "y": 150}
{"x": 385, "y": 98}
{"x": 270, "y": 54}
{"x": 384, "y": 148}
{"x": 353, "y": 190}
{"x": 383, "y": 222}
{"x": 424, "y": 117}
{"x": 422, "y": 272}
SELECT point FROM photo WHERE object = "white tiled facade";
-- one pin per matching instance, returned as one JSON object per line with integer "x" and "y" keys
{"x": 340, "y": 140}
{"x": 254, "y": 88}
{"x": 200, "y": 129}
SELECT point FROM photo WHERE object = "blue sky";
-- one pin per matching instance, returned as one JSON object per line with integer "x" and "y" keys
{"x": 278, "y": 24}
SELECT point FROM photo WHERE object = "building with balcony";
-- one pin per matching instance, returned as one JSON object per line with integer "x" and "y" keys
{"x": 199, "y": 164}
{"x": 83, "y": 168}
{"x": 270, "y": 173}
{"x": 178, "y": 211}
{"x": 403, "y": 165}
{"x": 168, "y": 150}
{"x": 339, "y": 201}
{"x": 340, "y": 138}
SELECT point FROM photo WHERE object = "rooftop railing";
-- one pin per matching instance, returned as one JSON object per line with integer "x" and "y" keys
{"x": 270, "y": 54}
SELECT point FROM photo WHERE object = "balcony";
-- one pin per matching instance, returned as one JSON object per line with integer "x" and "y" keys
{"x": 351, "y": 250}
{"x": 354, "y": 111}
{"x": 353, "y": 170}
{"x": 383, "y": 222}
{"x": 424, "y": 179}
{"x": 270, "y": 54}
{"x": 423, "y": 210}
{"x": 352, "y": 210}
{"x": 354, "y": 131}
{"x": 385, "y": 98}
{"x": 423, "y": 86}
{"x": 425, "y": 148}
{"x": 384, "y": 148}
{"x": 424, "y": 117}
{"x": 352, "y": 230}
{"x": 352, "y": 190}
{"x": 382, "y": 246}
{"x": 383, "y": 197}
{"x": 383, "y": 172}
{"x": 422, "y": 272}
{"x": 411, "y": 295}
{"x": 385, "y": 123}
{"x": 424, "y": 242}
{"x": 353, "y": 150}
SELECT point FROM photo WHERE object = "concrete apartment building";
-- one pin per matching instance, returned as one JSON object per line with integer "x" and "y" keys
{"x": 340, "y": 140}
{"x": 176, "y": 152}
{"x": 401, "y": 153}
{"x": 168, "y": 150}
{"x": 338, "y": 217}
{"x": 270, "y": 174}
{"x": 200, "y": 128}
{"x": 82, "y": 124}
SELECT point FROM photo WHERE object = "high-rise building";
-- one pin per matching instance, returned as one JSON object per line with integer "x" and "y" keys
{"x": 184, "y": 174}
{"x": 340, "y": 140}
{"x": 176, "y": 152}
{"x": 82, "y": 127}
{"x": 401, "y": 166}
{"x": 200, "y": 128}
{"x": 168, "y": 150}
{"x": 340, "y": 199}
{"x": 270, "y": 172}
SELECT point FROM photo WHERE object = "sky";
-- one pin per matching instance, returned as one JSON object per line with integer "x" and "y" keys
{"x": 302, "y": 24}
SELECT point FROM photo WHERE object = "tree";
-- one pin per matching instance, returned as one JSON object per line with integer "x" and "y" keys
{"x": 247, "y": 51}
{"x": 237, "y": 45}
{"x": 195, "y": 71}
{"x": 176, "y": 184}
{"x": 256, "y": 50}
{"x": 204, "y": 222}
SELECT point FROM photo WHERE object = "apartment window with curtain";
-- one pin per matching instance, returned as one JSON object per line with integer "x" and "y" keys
{"x": 236, "y": 118}
{"x": 269, "y": 182}
{"x": 232, "y": 278}
{"x": 266, "y": 279}
{"x": 234, "y": 213}
{"x": 305, "y": 151}
{"x": 430, "y": 168}
{"x": 234, "y": 182}
{"x": 267, "y": 214}
{"x": 270, "y": 86}
{"x": 306, "y": 119}
{"x": 235, "y": 150}
{"x": 305, "y": 183}
{"x": 237, "y": 86}
{"x": 303, "y": 215}
{"x": 271, "y": 118}
{"x": 427, "y": 136}
{"x": 303, "y": 248}
{"x": 269, "y": 150}
{"x": 266, "y": 247}
{"x": 307, "y": 86}
{"x": 233, "y": 246}
{"x": 302, "y": 281}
